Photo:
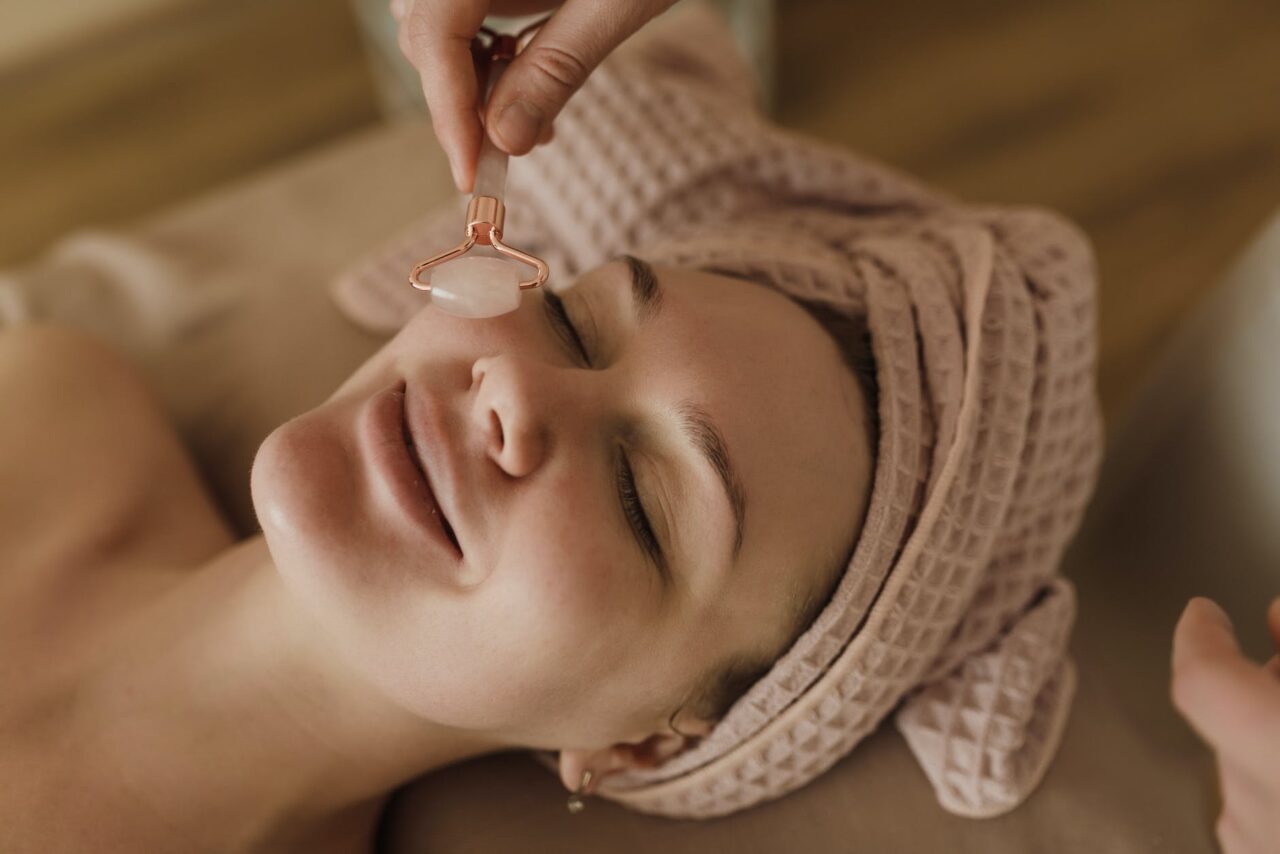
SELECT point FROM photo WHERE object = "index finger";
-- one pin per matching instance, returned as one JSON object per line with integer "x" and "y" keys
{"x": 439, "y": 34}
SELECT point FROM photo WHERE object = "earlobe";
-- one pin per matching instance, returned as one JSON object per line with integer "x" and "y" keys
{"x": 650, "y": 753}
{"x": 572, "y": 765}
{"x": 601, "y": 763}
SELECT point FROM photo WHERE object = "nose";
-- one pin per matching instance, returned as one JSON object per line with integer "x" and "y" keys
{"x": 517, "y": 400}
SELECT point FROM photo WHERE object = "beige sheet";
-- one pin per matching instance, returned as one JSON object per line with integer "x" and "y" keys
{"x": 245, "y": 338}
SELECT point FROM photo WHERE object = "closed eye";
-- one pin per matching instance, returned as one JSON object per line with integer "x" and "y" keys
{"x": 634, "y": 510}
{"x": 554, "y": 307}
{"x": 632, "y": 506}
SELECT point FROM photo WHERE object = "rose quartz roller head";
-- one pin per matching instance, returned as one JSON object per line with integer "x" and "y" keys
{"x": 487, "y": 282}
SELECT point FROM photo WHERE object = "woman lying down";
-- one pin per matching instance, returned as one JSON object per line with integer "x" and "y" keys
{"x": 788, "y": 445}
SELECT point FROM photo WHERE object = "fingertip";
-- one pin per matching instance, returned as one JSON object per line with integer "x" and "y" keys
{"x": 548, "y": 134}
{"x": 1190, "y": 611}
{"x": 451, "y": 157}
{"x": 1203, "y": 631}
{"x": 1212, "y": 609}
{"x": 517, "y": 127}
{"x": 462, "y": 179}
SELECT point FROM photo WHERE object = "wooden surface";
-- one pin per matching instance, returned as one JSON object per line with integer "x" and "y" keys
{"x": 1154, "y": 124}
{"x": 45, "y": 26}
{"x": 181, "y": 100}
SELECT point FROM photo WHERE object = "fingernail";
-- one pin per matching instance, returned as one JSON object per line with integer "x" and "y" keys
{"x": 519, "y": 124}
{"x": 457, "y": 176}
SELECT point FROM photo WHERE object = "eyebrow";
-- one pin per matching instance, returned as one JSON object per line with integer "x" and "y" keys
{"x": 696, "y": 424}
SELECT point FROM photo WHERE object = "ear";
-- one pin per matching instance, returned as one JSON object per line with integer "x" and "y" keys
{"x": 649, "y": 753}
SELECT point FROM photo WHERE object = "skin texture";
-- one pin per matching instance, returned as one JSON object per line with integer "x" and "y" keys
{"x": 435, "y": 37}
{"x": 1234, "y": 704}
{"x": 557, "y": 631}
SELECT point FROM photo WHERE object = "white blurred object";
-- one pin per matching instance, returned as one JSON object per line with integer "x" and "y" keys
{"x": 400, "y": 87}
{"x": 107, "y": 283}
{"x": 1247, "y": 368}
{"x": 36, "y": 31}
{"x": 1202, "y": 437}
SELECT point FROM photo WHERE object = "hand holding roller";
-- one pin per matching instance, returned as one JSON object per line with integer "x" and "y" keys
{"x": 487, "y": 282}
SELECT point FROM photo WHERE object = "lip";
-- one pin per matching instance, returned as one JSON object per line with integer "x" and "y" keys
{"x": 384, "y": 426}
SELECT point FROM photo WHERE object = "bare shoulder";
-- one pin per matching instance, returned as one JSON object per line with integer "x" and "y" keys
{"x": 73, "y": 407}
{"x": 33, "y": 355}
{"x": 86, "y": 450}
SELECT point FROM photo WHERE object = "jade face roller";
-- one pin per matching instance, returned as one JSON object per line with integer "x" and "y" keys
{"x": 487, "y": 282}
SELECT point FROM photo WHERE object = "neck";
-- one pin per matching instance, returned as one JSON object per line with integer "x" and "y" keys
{"x": 227, "y": 708}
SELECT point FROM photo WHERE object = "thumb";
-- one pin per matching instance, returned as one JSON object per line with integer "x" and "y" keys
{"x": 555, "y": 64}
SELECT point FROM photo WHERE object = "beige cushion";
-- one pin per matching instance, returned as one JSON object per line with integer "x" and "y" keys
{"x": 223, "y": 303}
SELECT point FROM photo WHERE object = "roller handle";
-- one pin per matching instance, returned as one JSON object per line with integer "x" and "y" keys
{"x": 491, "y": 166}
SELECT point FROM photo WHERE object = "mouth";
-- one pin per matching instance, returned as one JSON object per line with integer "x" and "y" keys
{"x": 416, "y": 459}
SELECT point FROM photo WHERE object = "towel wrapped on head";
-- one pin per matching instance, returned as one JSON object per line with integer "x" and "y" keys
{"x": 982, "y": 326}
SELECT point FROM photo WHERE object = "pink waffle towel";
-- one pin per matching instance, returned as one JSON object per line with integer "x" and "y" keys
{"x": 951, "y": 614}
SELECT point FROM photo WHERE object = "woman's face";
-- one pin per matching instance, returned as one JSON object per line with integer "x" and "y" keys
{"x": 556, "y": 628}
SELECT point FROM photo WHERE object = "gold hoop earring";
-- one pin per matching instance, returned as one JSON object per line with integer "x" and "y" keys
{"x": 575, "y": 800}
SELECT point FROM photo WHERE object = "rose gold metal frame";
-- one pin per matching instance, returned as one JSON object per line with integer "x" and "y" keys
{"x": 486, "y": 214}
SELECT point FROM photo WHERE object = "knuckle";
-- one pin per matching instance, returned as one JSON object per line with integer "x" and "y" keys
{"x": 560, "y": 67}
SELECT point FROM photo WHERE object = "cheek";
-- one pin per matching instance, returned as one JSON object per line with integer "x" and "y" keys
{"x": 559, "y": 618}
{"x": 563, "y": 606}
{"x": 525, "y": 651}
{"x": 565, "y": 554}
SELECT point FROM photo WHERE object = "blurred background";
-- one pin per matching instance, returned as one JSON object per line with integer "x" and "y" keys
{"x": 1155, "y": 125}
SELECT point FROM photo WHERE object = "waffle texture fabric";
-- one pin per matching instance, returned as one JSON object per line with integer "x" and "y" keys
{"x": 951, "y": 615}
